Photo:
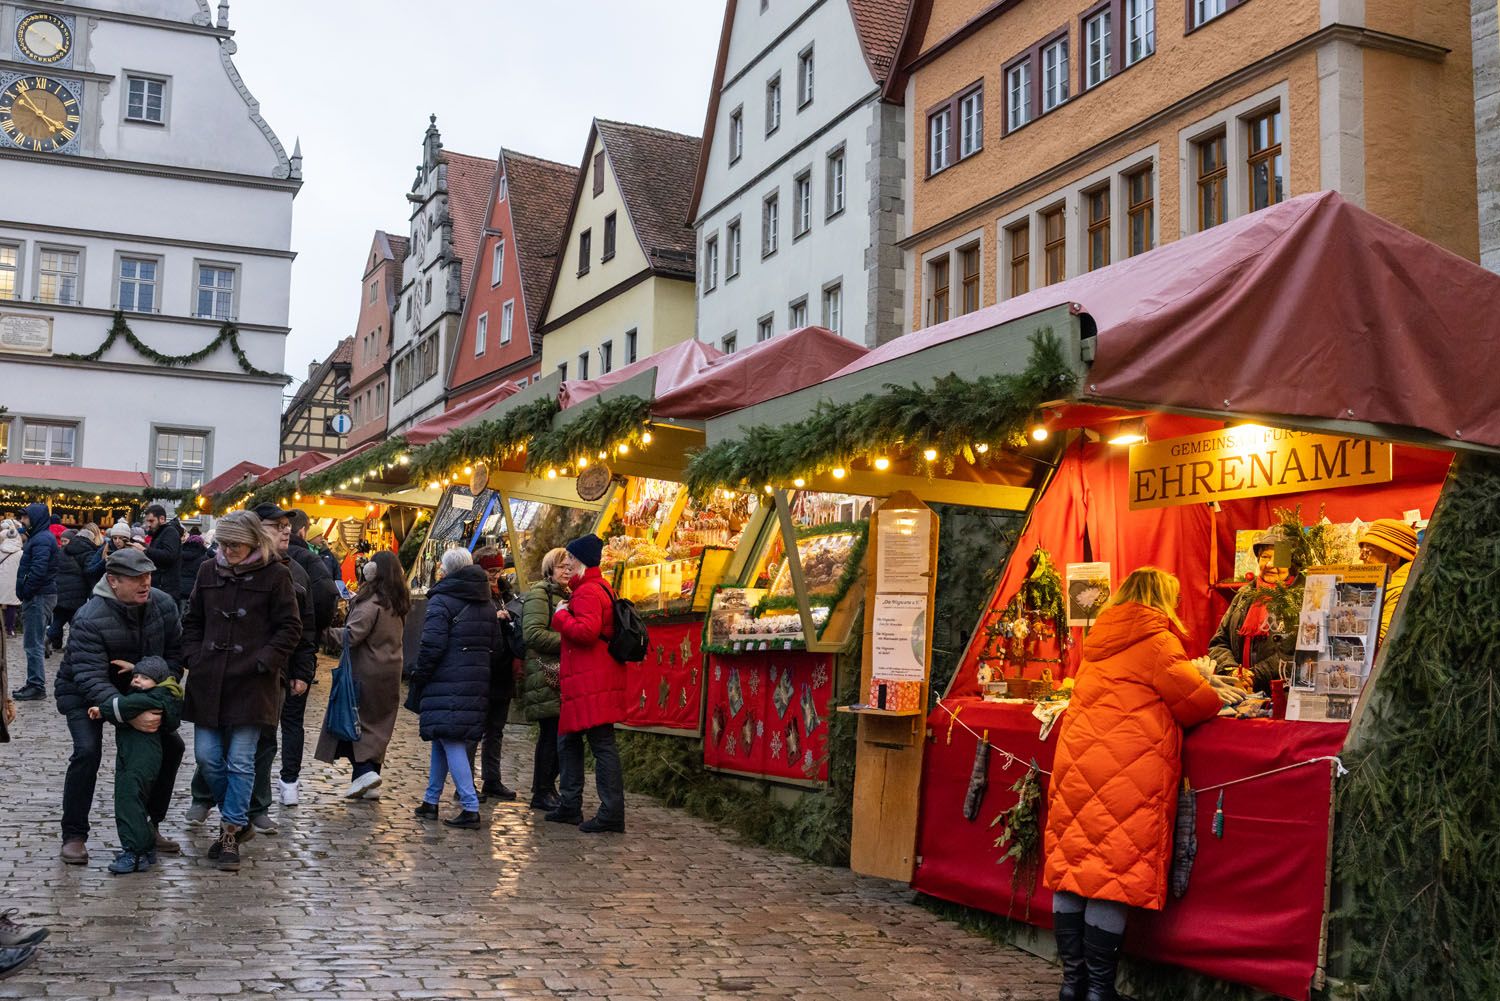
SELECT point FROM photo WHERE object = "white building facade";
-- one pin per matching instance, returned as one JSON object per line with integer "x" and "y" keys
{"x": 798, "y": 202}
{"x": 136, "y": 174}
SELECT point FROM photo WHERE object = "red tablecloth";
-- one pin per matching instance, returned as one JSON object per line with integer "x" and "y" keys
{"x": 1254, "y": 908}
{"x": 665, "y": 690}
{"x": 768, "y": 714}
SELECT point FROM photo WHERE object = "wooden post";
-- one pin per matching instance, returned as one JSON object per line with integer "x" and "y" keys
{"x": 889, "y": 746}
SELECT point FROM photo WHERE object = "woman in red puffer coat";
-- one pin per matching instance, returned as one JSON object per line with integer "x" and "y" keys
{"x": 593, "y": 693}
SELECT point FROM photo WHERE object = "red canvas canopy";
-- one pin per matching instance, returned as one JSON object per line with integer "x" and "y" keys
{"x": 342, "y": 457}
{"x": 674, "y": 366}
{"x": 435, "y": 427}
{"x": 758, "y": 373}
{"x": 73, "y": 477}
{"x": 301, "y": 464}
{"x": 232, "y": 476}
{"x": 1313, "y": 308}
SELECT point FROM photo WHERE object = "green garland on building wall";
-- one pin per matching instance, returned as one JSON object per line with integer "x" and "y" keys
{"x": 490, "y": 440}
{"x": 229, "y": 334}
{"x": 598, "y": 427}
{"x": 951, "y": 416}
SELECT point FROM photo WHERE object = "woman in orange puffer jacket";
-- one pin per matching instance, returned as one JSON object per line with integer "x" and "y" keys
{"x": 1113, "y": 797}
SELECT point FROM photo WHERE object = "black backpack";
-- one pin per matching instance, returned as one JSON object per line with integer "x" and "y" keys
{"x": 515, "y": 638}
{"x": 631, "y": 639}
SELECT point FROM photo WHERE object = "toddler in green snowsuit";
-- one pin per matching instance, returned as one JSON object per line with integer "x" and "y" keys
{"x": 138, "y": 757}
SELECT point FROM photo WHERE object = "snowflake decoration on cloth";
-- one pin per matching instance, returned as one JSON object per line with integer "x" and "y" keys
{"x": 755, "y": 683}
{"x": 776, "y": 745}
{"x": 807, "y": 761}
{"x": 760, "y": 728}
{"x": 820, "y": 675}
{"x": 731, "y": 745}
{"x": 718, "y": 671}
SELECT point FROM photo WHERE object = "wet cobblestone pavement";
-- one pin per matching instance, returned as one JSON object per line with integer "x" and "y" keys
{"x": 362, "y": 901}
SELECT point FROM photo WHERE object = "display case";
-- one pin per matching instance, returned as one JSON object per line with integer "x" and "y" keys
{"x": 476, "y": 521}
{"x": 462, "y": 519}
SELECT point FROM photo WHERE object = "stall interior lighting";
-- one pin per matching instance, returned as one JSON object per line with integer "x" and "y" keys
{"x": 882, "y": 463}
{"x": 838, "y": 472}
{"x": 930, "y": 455}
{"x": 981, "y": 448}
{"x": 1039, "y": 433}
{"x": 1131, "y": 432}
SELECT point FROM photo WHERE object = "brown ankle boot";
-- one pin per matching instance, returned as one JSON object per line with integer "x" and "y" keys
{"x": 75, "y": 852}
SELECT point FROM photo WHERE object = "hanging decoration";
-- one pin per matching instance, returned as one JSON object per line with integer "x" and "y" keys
{"x": 229, "y": 334}
{"x": 979, "y": 778}
{"x": 612, "y": 427}
{"x": 81, "y": 501}
{"x": 953, "y": 418}
{"x": 1038, "y": 614}
{"x": 1021, "y": 832}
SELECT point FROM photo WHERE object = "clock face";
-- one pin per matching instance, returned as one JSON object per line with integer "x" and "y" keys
{"x": 38, "y": 114}
{"x": 43, "y": 38}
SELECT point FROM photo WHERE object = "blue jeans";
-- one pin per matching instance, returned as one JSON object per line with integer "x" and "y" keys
{"x": 451, "y": 756}
{"x": 227, "y": 756}
{"x": 36, "y": 617}
{"x": 608, "y": 778}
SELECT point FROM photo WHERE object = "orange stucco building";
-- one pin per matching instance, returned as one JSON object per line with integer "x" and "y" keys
{"x": 1047, "y": 139}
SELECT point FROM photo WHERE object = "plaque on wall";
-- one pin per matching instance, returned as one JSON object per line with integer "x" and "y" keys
{"x": 21, "y": 333}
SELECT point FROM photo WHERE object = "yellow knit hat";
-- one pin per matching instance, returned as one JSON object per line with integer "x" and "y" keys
{"x": 1393, "y": 536}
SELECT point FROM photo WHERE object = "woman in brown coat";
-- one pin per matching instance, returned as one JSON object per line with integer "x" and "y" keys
{"x": 241, "y": 627}
{"x": 374, "y": 631}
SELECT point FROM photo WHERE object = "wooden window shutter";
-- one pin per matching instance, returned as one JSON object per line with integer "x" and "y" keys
{"x": 598, "y": 173}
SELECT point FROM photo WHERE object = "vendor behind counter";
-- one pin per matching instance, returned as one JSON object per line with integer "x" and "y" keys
{"x": 1249, "y": 643}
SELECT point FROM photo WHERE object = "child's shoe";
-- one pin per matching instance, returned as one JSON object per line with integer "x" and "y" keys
{"x": 128, "y": 861}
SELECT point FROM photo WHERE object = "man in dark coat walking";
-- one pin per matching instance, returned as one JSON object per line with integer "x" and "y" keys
{"x": 125, "y": 620}
{"x": 165, "y": 549}
{"x": 75, "y": 582}
{"x": 36, "y": 586}
{"x": 325, "y": 594}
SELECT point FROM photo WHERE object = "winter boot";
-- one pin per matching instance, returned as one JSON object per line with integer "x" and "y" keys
{"x": 1101, "y": 956}
{"x": 1068, "y": 929}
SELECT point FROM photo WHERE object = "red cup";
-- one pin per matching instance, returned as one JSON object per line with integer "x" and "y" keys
{"x": 1278, "y": 698}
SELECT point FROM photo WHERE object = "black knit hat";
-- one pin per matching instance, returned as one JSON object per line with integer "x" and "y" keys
{"x": 587, "y": 549}
{"x": 154, "y": 668}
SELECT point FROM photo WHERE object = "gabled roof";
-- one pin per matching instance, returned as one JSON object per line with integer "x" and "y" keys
{"x": 231, "y": 477}
{"x": 654, "y": 169}
{"x": 399, "y": 248}
{"x": 471, "y": 180}
{"x": 877, "y": 23}
{"x": 344, "y": 353}
{"x": 301, "y": 464}
{"x": 538, "y": 192}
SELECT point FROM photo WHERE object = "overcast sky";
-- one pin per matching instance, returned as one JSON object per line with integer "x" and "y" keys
{"x": 357, "y": 80}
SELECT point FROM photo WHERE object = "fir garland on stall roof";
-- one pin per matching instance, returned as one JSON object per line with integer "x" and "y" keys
{"x": 600, "y": 426}
{"x": 229, "y": 334}
{"x": 492, "y": 440}
{"x": 355, "y": 467}
{"x": 949, "y": 417}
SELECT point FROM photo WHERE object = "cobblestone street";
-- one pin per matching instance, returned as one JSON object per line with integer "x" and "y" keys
{"x": 362, "y": 900}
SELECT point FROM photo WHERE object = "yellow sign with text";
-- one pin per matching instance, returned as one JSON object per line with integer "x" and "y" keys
{"x": 1250, "y": 461}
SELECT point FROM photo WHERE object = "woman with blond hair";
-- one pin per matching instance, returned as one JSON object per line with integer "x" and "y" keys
{"x": 242, "y": 624}
{"x": 1110, "y": 809}
{"x": 541, "y": 691}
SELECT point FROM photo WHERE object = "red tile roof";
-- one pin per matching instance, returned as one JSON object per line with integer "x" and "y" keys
{"x": 540, "y": 193}
{"x": 470, "y": 181}
{"x": 879, "y": 24}
{"x": 399, "y": 251}
{"x": 344, "y": 353}
{"x": 654, "y": 169}
{"x": 231, "y": 477}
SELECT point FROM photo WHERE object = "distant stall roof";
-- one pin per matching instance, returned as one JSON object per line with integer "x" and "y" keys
{"x": 81, "y": 478}
{"x": 435, "y": 427}
{"x": 301, "y": 464}
{"x": 230, "y": 477}
{"x": 1313, "y": 308}
{"x": 674, "y": 366}
{"x": 759, "y": 372}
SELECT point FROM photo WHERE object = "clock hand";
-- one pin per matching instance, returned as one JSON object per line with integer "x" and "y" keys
{"x": 27, "y": 101}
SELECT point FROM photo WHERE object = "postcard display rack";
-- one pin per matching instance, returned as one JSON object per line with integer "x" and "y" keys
{"x": 1337, "y": 633}
{"x": 770, "y": 683}
{"x": 666, "y": 554}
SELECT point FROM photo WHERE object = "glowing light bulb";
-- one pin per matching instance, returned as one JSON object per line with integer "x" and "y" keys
{"x": 1038, "y": 433}
{"x": 623, "y": 449}
{"x": 768, "y": 488}
{"x": 981, "y": 448}
{"x": 603, "y": 455}
{"x": 646, "y": 438}
{"x": 551, "y": 474}
{"x": 468, "y": 470}
{"x": 799, "y": 483}
{"x": 930, "y": 454}
{"x": 839, "y": 472}
{"x": 583, "y": 462}
{"x": 433, "y": 485}
{"x": 882, "y": 463}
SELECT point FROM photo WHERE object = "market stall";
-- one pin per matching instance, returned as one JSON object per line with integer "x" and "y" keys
{"x": 77, "y": 494}
{"x": 1181, "y": 406}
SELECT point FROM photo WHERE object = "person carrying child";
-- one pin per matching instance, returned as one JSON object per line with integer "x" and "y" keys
{"x": 138, "y": 757}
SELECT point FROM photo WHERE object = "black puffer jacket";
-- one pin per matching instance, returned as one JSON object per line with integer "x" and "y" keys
{"x": 106, "y": 630}
{"x": 304, "y": 663}
{"x": 453, "y": 663}
{"x": 165, "y": 551}
{"x": 73, "y": 583}
{"x": 320, "y": 585}
{"x": 193, "y": 555}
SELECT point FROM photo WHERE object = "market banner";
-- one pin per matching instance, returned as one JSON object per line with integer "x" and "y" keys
{"x": 1250, "y": 461}
{"x": 666, "y": 689}
{"x": 768, "y": 714}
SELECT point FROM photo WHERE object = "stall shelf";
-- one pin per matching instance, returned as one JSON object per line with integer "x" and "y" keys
{"x": 1160, "y": 350}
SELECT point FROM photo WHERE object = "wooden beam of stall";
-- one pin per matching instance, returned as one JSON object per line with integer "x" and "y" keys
{"x": 514, "y": 535}
{"x": 937, "y": 490}
{"x": 794, "y": 567}
{"x": 669, "y": 523}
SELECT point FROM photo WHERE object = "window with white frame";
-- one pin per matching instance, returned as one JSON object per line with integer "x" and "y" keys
{"x": 507, "y": 319}
{"x": 765, "y": 329}
{"x": 504, "y": 189}
{"x": 10, "y": 271}
{"x": 939, "y": 132}
{"x": 837, "y": 171}
{"x": 1018, "y": 101}
{"x": 804, "y": 78}
{"x": 57, "y": 277}
{"x": 373, "y": 291}
{"x": 1098, "y": 48}
{"x": 773, "y": 104}
{"x": 833, "y": 308}
{"x": 711, "y": 263}
{"x": 497, "y": 263}
{"x": 770, "y": 225}
{"x": 1206, "y": 10}
{"x": 970, "y": 123}
{"x": 136, "y": 288}
{"x": 181, "y": 458}
{"x": 1054, "y": 74}
{"x": 732, "y": 249}
{"x": 736, "y": 134}
{"x": 215, "y": 292}
{"x": 44, "y": 443}
{"x": 1140, "y": 30}
{"x": 802, "y": 204}
{"x": 796, "y": 314}
{"x": 146, "y": 100}
{"x": 481, "y": 334}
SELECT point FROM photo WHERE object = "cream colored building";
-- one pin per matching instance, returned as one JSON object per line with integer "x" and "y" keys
{"x": 623, "y": 286}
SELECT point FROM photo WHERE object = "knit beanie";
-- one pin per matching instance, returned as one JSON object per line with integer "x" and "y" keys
{"x": 154, "y": 668}
{"x": 1393, "y": 536}
{"x": 586, "y": 549}
{"x": 119, "y": 530}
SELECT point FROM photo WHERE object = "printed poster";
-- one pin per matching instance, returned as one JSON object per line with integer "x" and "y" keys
{"x": 1088, "y": 589}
